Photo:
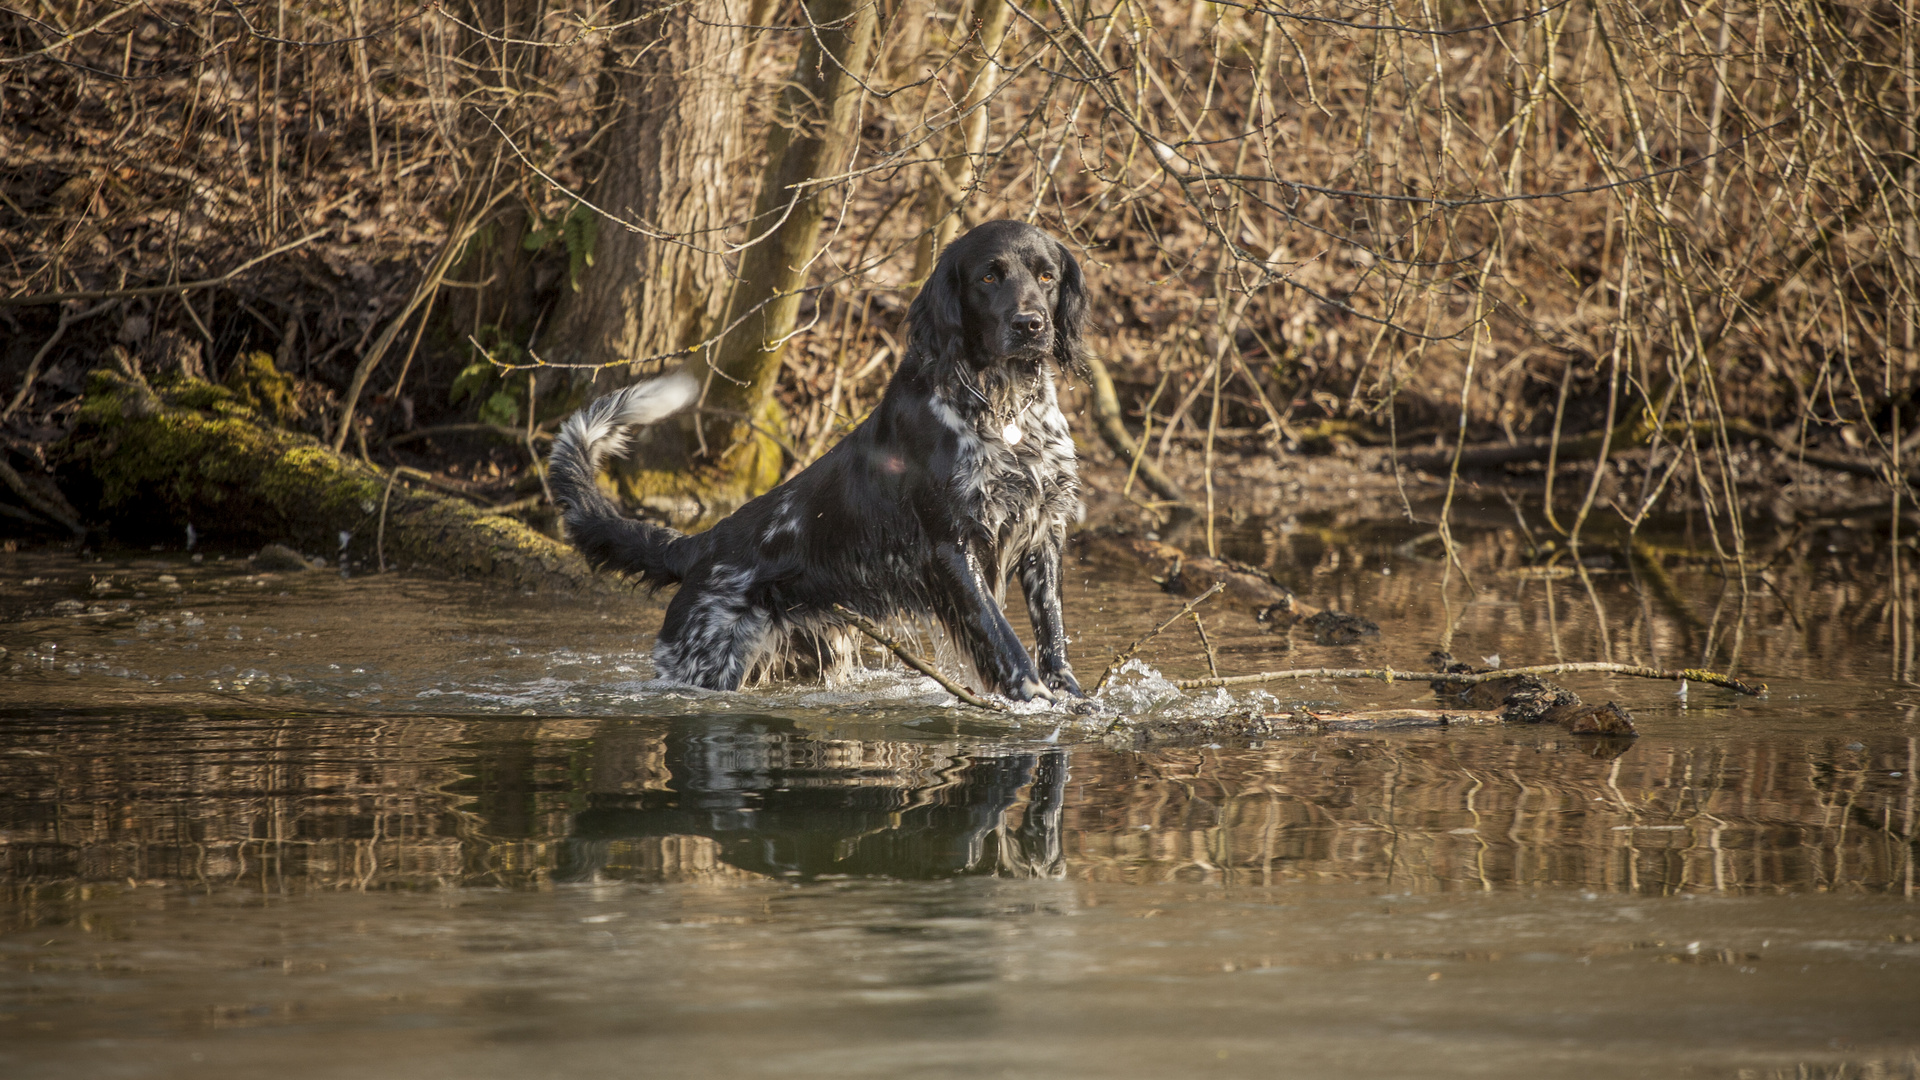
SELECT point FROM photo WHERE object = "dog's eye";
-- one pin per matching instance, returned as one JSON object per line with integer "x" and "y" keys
{"x": 989, "y": 279}
{"x": 1045, "y": 277}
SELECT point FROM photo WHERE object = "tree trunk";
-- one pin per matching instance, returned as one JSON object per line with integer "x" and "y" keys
{"x": 705, "y": 465}
{"x": 813, "y": 130}
{"x": 657, "y": 290}
{"x": 650, "y": 294}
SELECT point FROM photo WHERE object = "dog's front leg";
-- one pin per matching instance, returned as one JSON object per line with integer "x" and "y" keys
{"x": 1040, "y": 573}
{"x": 975, "y": 619}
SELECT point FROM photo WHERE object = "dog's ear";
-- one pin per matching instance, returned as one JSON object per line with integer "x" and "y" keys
{"x": 1070, "y": 314}
{"x": 935, "y": 319}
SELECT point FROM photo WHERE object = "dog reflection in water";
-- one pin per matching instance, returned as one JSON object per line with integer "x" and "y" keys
{"x": 962, "y": 478}
{"x": 773, "y": 803}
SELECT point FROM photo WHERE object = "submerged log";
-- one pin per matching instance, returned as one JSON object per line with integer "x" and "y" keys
{"x": 1525, "y": 698}
{"x": 1529, "y": 699}
{"x": 147, "y": 464}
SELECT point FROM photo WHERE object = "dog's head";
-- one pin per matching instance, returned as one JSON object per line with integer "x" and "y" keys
{"x": 1003, "y": 292}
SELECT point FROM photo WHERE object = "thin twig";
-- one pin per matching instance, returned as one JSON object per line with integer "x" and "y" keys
{"x": 1106, "y": 412}
{"x": 466, "y": 429}
{"x": 157, "y": 290}
{"x": 67, "y": 318}
{"x": 40, "y": 502}
{"x": 517, "y": 505}
{"x": 1146, "y": 431}
{"x": 380, "y": 537}
{"x": 438, "y": 484}
{"x": 1698, "y": 675}
{"x": 1127, "y": 654}
{"x": 539, "y": 469}
{"x": 422, "y": 294}
{"x": 1213, "y": 658}
{"x": 909, "y": 658}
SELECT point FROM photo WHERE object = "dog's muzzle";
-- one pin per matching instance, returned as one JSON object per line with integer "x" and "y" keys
{"x": 1028, "y": 330}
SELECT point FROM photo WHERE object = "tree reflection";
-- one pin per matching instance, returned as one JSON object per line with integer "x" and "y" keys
{"x": 278, "y": 804}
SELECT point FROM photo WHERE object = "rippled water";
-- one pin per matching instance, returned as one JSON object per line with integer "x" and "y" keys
{"x": 325, "y": 826}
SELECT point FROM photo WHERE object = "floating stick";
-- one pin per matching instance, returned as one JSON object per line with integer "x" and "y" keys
{"x": 1712, "y": 678}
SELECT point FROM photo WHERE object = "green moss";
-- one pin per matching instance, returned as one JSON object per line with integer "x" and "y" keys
{"x": 148, "y": 464}
{"x": 259, "y": 385}
{"x": 195, "y": 394}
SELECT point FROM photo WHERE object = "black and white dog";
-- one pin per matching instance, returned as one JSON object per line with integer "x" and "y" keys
{"x": 963, "y": 476}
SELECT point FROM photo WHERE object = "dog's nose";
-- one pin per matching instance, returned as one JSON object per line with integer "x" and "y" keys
{"x": 1029, "y": 324}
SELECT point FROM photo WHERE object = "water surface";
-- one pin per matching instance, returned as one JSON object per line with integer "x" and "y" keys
{"x": 325, "y": 826}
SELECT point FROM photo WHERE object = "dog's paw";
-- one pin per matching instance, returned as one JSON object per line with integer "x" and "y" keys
{"x": 1063, "y": 682}
{"x": 1026, "y": 688}
{"x": 1086, "y": 706}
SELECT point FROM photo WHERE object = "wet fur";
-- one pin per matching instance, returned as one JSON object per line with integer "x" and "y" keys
{"x": 924, "y": 510}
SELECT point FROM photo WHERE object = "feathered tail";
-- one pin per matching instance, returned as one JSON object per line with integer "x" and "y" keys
{"x": 594, "y": 524}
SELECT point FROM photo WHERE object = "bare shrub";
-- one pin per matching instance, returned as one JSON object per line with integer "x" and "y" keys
{"x": 1686, "y": 229}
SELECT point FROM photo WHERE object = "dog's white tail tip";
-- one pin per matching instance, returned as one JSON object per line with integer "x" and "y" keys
{"x": 600, "y": 429}
{"x": 656, "y": 399}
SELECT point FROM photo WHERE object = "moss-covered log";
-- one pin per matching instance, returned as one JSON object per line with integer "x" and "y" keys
{"x": 146, "y": 465}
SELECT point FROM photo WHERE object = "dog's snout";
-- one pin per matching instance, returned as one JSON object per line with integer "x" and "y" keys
{"x": 1029, "y": 324}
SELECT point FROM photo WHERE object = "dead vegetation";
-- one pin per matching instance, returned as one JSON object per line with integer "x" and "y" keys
{"x": 1675, "y": 237}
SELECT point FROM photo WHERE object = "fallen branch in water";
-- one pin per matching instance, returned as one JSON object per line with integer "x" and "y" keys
{"x": 1123, "y": 657}
{"x": 1173, "y": 731}
{"x": 912, "y": 660}
{"x": 1712, "y": 678}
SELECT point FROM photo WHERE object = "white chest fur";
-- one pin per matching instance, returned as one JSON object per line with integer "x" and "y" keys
{"x": 1032, "y": 449}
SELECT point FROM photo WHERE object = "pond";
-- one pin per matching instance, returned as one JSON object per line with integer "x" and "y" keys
{"x": 317, "y": 825}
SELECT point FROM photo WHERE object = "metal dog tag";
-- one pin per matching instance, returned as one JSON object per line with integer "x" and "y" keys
{"x": 1011, "y": 433}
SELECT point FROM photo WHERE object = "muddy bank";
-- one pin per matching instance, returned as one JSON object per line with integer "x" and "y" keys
{"x": 1255, "y": 479}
